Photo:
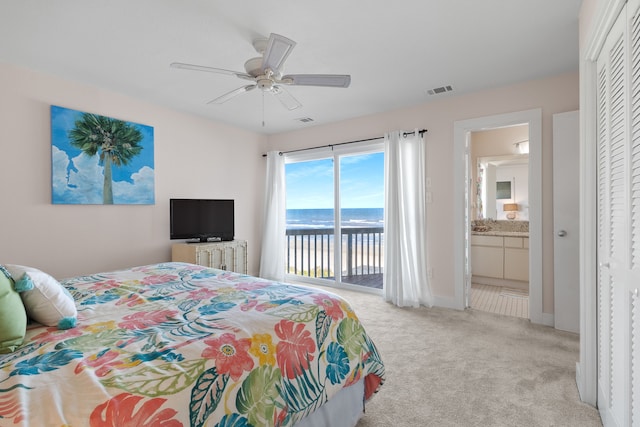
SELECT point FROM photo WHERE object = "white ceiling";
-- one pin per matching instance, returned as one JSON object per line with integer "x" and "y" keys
{"x": 394, "y": 51}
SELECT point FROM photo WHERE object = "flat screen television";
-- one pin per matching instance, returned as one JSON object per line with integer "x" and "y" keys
{"x": 203, "y": 219}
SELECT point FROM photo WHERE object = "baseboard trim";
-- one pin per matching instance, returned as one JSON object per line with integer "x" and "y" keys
{"x": 548, "y": 319}
{"x": 506, "y": 283}
{"x": 446, "y": 302}
{"x": 604, "y": 408}
{"x": 580, "y": 383}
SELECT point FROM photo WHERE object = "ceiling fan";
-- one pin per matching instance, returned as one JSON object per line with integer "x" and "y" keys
{"x": 265, "y": 72}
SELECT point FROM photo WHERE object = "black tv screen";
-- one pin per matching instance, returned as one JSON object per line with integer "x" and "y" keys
{"x": 202, "y": 219}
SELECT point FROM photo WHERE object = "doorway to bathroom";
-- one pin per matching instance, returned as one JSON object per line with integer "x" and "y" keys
{"x": 464, "y": 188}
{"x": 499, "y": 212}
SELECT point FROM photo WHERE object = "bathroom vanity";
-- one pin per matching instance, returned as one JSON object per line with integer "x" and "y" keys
{"x": 500, "y": 257}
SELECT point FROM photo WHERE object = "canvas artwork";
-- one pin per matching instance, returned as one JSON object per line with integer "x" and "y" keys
{"x": 100, "y": 160}
{"x": 503, "y": 190}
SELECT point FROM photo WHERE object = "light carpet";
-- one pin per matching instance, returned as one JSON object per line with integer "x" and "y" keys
{"x": 469, "y": 368}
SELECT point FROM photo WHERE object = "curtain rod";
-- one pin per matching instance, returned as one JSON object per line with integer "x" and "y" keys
{"x": 404, "y": 134}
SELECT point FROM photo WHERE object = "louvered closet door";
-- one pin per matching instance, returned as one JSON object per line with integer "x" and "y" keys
{"x": 618, "y": 68}
{"x": 633, "y": 283}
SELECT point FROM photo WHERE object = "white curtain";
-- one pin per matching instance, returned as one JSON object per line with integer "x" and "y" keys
{"x": 405, "y": 279}
{"x": 273, "y": 237}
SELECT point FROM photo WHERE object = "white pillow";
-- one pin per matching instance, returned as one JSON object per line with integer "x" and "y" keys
{"x": 47, "y": 302}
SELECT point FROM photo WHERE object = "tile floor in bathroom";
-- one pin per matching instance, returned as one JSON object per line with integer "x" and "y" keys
{"x": 500, "y": 300}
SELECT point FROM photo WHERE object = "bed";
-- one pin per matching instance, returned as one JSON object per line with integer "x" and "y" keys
{"x": 177, "y": 344}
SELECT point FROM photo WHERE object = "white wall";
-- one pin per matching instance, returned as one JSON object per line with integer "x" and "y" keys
{"x": 553, "y": 95}
{"x": 194, "y": 157}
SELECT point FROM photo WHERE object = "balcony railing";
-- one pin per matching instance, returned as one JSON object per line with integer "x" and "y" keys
{"x": 310, "y": 252}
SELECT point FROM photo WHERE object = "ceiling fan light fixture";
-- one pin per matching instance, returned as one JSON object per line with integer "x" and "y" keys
{"x": 265, "y": 84}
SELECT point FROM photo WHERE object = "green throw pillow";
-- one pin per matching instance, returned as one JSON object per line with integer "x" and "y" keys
{"x": 13, "y": 317}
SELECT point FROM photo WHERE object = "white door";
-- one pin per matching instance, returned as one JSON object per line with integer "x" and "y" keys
{"x": 618, "y": 145}
{"x": 566, "y": 214}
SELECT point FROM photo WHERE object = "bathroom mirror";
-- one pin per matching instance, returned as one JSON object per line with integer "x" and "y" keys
{"x": 500, "y": 180}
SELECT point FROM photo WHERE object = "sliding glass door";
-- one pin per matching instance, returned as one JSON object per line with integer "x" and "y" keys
{"x": 362, "y": 218}
{"x": 340, "y": 193}
{"x": 310, "y": 218}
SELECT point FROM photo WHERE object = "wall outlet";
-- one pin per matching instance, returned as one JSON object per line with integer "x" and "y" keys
{"x": 430, "y": 273}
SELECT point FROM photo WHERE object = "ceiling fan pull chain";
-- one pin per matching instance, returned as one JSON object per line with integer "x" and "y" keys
{"x": 262, "y": 108}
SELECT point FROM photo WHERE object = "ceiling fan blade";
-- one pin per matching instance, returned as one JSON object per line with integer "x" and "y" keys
{"x": 326, "y": 80}
{"x": 285, "y": 98}
{"x": 183, "y": 66}
{"x": 227, "y": 96}
{"x": 277, "y": 51}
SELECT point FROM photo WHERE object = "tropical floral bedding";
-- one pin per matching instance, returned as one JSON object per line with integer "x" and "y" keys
{"x": 177, "y": 344}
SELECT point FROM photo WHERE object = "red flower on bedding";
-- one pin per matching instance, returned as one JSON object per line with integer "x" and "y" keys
{"x": 251, "y": 286}
{"x": 331, "y": 306}
{"x": 231, "y": 355}
{"x": 248, "y": 304}
{"x": 125, "y": 410}
{"x": 107, "y": 284}
{"x": 143, "y": 320}
{"x": 100, "y": 362}
{"x": 295, "y": 349}
{"x": 202, "y": 294}
{"x": 54, "y": 334}
{"x": 161, "y": 278}
{"x": 11, "y": 409}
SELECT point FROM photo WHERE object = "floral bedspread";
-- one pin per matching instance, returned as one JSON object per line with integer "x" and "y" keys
{"x": 177, "y": 344}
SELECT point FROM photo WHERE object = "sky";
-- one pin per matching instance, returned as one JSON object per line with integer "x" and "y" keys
{"x": 310, "y": 184}
{"x": 78, "y": 179}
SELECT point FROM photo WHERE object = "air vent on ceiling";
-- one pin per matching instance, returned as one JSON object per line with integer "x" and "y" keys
{"x": 439, "y": 90}
{"x": 305, "y": 119}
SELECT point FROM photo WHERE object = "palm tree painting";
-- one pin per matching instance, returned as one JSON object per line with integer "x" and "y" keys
{"x": 100, "y": 160}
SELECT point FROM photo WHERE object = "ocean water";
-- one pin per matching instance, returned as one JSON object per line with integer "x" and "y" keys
{"x": 324, "y": 218}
